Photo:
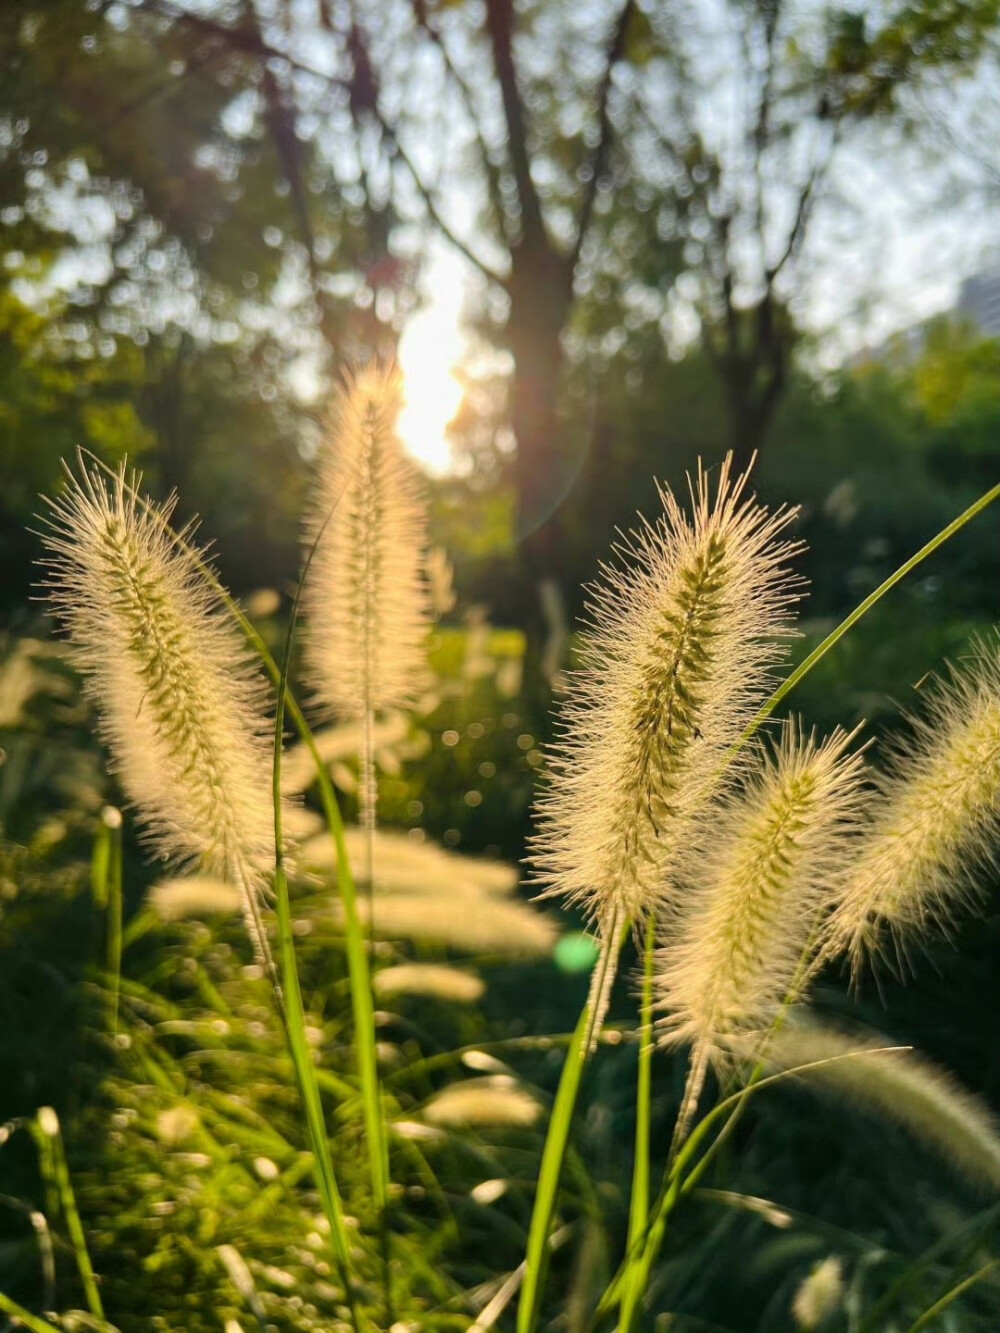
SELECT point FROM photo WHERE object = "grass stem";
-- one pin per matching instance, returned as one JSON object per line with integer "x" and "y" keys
{"x": 554, "y": 1149}
{"x": 52, "y": 1154}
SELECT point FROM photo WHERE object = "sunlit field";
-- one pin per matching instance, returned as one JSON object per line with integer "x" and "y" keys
{"x": 499, "y": 668}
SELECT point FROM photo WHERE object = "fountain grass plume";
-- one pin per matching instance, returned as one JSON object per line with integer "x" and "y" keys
{"x": 763, "y": 875}
{"x": 900, "y": 1087}
{"x": 935, "y": 819}
{"x": 684, "y": 633}
{"x": 181, "y": 707}
{"x": 365, "y": 602}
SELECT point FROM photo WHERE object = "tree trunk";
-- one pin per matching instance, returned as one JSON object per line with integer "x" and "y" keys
{"x": 754, "y": 380}
{"x": 541, "y": 294}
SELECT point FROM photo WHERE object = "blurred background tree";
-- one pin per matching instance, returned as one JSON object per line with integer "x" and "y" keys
{"x": 221, "y": 203}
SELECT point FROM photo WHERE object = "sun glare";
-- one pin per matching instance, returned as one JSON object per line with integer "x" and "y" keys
{"x": 430, "y": 350}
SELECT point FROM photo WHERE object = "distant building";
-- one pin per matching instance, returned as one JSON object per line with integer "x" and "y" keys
{"x": 979, "y": 302}
{"x": 978, "y": 306}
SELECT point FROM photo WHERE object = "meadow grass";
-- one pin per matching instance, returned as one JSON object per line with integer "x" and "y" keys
{"x": 734, "y": 866}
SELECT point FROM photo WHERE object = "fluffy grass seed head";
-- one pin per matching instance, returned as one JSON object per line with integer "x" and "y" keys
{"x": 821, "y": 1295}
{"x": 935, "y": 819}
{"x": 765, "y": 870}
{"x": 181, "y": 708}
{"x": 677, "y": 657}
{"x": 366, "y": 603}
{"x": 497, "y": 1100}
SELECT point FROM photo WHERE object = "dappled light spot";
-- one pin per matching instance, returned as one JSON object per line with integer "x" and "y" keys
{"x": 496, "y": 1100}
{"x": 576, "y": 952}
{"x": 430, "y": 979}
{"x": 197, "y": 896}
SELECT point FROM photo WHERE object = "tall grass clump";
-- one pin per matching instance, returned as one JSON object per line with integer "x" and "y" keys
{"x": 180, "y": 702}
{"x": 751, "y": 871}
{"x": 741, "y": 865}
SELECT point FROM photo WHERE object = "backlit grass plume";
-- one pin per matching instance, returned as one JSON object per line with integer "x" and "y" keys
{"x": 935, "y": 820}
{"x": 767, "y": 868}
{"x": 365, "y": 600}
{"x": 180, "y": 707}
{"x": 676, "y": 659}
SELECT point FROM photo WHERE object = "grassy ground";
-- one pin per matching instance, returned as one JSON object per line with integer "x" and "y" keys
{"x": 179, "y": 1114}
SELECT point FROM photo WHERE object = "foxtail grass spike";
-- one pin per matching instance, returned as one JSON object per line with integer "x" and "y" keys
{"x": 761, "y": 878}
{"x": 934, "y": 822}
{"x": 366, "y": 602}
{"x": 678, "y": 655}
{"x": 181, "y": 708}
{"x": 366, "y": 605}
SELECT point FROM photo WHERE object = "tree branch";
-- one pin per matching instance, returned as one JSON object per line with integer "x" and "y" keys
{"x": 761, "y": 132}
{"x": 252, "y": 43}
{"x": 599, "y": 159}
{"x": 797, "y": 232}
{"x": 249, "y": 41}
{"x": 500, "y": 26}
{"x": 492, "y": 175}
{"x": 397, "y": 150}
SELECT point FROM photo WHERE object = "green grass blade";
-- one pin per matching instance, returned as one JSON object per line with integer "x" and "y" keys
{"x": 639, "y": 1206}
{"x": 106, "y": 888}
{"x": 959, "y": 1289}
{"x": 294, "y": 1017}
{"x": 305, "y": 1073}
{"x": 112, "y": 820}
{"x": 549, "y": 1173}
{"x": 863, "y": 607}
{"x": 30, "y": 1321}
{"x": 554, "y": 1149}
{"x": 100, "y": 866}
{"x": 52, "y": 1155}
{"x": 361, "y": 998}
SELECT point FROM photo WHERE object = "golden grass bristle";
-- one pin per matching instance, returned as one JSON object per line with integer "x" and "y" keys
{"x": 181, "y": 707}
{"x": 760, "y": 879}
{"x": 934, "y": 821}
{"x": 435, "y": 980}
{"x": 820, "y": 1295}
{"x": 193, "y": 896}
{"x": 472, "y": 924}
{"x": 408, "y": 866}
